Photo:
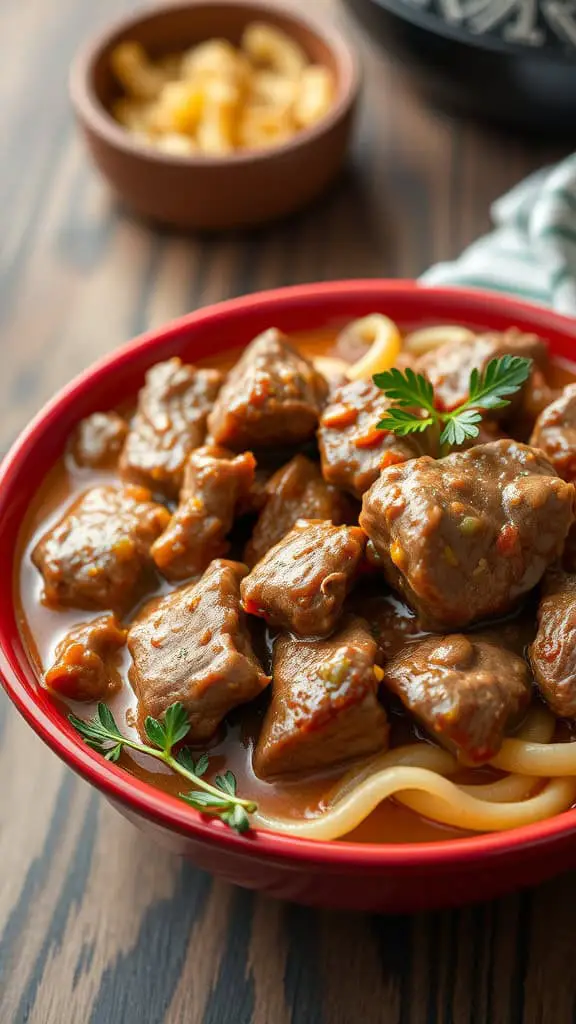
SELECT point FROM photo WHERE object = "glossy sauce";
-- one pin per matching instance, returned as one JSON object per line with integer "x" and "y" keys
{"x": 43, "y": 628}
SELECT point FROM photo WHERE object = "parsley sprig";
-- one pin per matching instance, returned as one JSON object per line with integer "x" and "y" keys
{"x": 101, "y": 733}
{"x": 414, "y": 406}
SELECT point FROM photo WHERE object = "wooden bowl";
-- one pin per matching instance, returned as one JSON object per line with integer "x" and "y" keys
{"x": 244, "y": 189}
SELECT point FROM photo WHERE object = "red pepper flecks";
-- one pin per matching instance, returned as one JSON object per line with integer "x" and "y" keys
{"x": 251, "y": 608}
{"x": 507, "y": 541}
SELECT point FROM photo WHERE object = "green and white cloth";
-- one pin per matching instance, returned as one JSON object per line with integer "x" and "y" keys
{"x": 532, "y": 251}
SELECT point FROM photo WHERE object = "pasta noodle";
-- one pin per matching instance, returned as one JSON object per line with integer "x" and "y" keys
{"x": 141, "y": 79}
{"x": 543, "y": 759}
{"x": 215, "y": 132}
{"x": 178, "y": 109}
{"x": 425, "y": 339}
{"x": 415, "y": 775}
{"x": 269, "y": 89}
{"x": 221, "y": 97}
{"x": 266, "y": 45}
{"x": 511, "y": 787}
{"x": 263, "y": 126}
{"x": 451, "y": 804}
{"x": 459, "y": 807}
{"x": 215, "y": 60}
{"x": 385, "y": 342}
{"x": 314, "y": 96}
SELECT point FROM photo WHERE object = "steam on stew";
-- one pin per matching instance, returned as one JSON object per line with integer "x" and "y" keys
{"x": 325, "y": 591}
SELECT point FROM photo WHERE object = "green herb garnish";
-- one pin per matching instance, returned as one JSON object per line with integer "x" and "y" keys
{"x": 101, "y": 733}
{"x": 414, "y": 406}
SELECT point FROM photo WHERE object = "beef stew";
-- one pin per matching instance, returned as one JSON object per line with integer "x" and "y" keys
{"x": 330, "y": 655}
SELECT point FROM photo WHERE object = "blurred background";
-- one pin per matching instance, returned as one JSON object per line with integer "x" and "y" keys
{"x": 80, "y": 275}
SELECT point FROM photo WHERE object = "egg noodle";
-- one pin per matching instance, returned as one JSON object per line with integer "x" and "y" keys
{"x": 541, "y": 783}
{"x": 383, "y": 339}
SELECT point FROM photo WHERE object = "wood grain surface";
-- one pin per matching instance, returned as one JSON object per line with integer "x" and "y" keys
{"x": 97, "y": 925}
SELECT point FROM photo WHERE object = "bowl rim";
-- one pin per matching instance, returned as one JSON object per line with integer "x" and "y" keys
{"x": 93, "y": 113}
{"x": 144, "y": 799}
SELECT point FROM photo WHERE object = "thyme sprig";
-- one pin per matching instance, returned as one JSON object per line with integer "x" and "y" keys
{"x": 218, "y": 800}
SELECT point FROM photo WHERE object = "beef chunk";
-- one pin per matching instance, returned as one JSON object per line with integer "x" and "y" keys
{"x": 464, "y": 690}
{"x": 252, "y": 503}
{"x": 98, "y": 440}
{"x": 569, "y": 553}
{"x": 464, "y": 537}
{"x": 553, "y": 653}
{"x": 352, "y": 450}
{"x": 193, "y": 646}
{"x": 170, "y": 422}
{"x": 392, "y": 623}
{"x": 301, "y": 583}
{"x": 555, "y": 433}
{"x": 296, "y": 491}
{"x": 85, "y": 662}
{"x": 214, "y": 481}
{"x": 324, "y": 709}
{"x": 272, "y": 396}
{"x": 536, "y": 396}
{"x": 98, "y": 554}
{"x": 449, "y": 366}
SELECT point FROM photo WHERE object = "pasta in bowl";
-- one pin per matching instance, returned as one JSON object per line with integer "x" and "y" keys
{"x": 214, "y": 115}
{"x": 397, "y": 723}
{"x": 215, "y": 99}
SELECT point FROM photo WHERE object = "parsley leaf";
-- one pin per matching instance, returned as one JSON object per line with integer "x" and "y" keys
{"x": 237, "y": 819}
{"x": 413, "y": 409}
{"x": 404, "y": 421}
{"x": 406, "y": 389}
{"x": 107, "y": 721}
{"x": 155, "y": 732}
{"x": 176, "y": 724}
{"x": 227, "y": 783}
{"x": 461, "y": 428}
{"x": 202, "y": 801}
{"x": 113, "y": 753}
{"x": 201, "y": 766}
{"x": 185, "y": 757}
{"x": 502, "y": 377}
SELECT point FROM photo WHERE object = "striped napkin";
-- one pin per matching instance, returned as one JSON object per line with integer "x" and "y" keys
{"x": 531, "y": 252}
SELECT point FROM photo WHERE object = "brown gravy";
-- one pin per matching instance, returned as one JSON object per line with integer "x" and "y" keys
{"x": 42, "y": 629}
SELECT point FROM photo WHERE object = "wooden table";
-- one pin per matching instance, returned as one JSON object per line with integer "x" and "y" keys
{"x": 97, "y": 924}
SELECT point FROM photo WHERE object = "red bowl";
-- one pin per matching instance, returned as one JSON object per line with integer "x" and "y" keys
{"x": 383, "y": 877}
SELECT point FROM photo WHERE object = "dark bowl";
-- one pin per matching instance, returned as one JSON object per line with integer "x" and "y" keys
{"x": 516, "y": 69}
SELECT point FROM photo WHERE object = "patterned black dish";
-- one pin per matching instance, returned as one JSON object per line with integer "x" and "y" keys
{"x": 513, "y": 61}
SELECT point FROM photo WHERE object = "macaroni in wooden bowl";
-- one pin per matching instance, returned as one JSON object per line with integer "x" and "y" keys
{"x": 215, "y": 98}
{"x": 217, "y": 114}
